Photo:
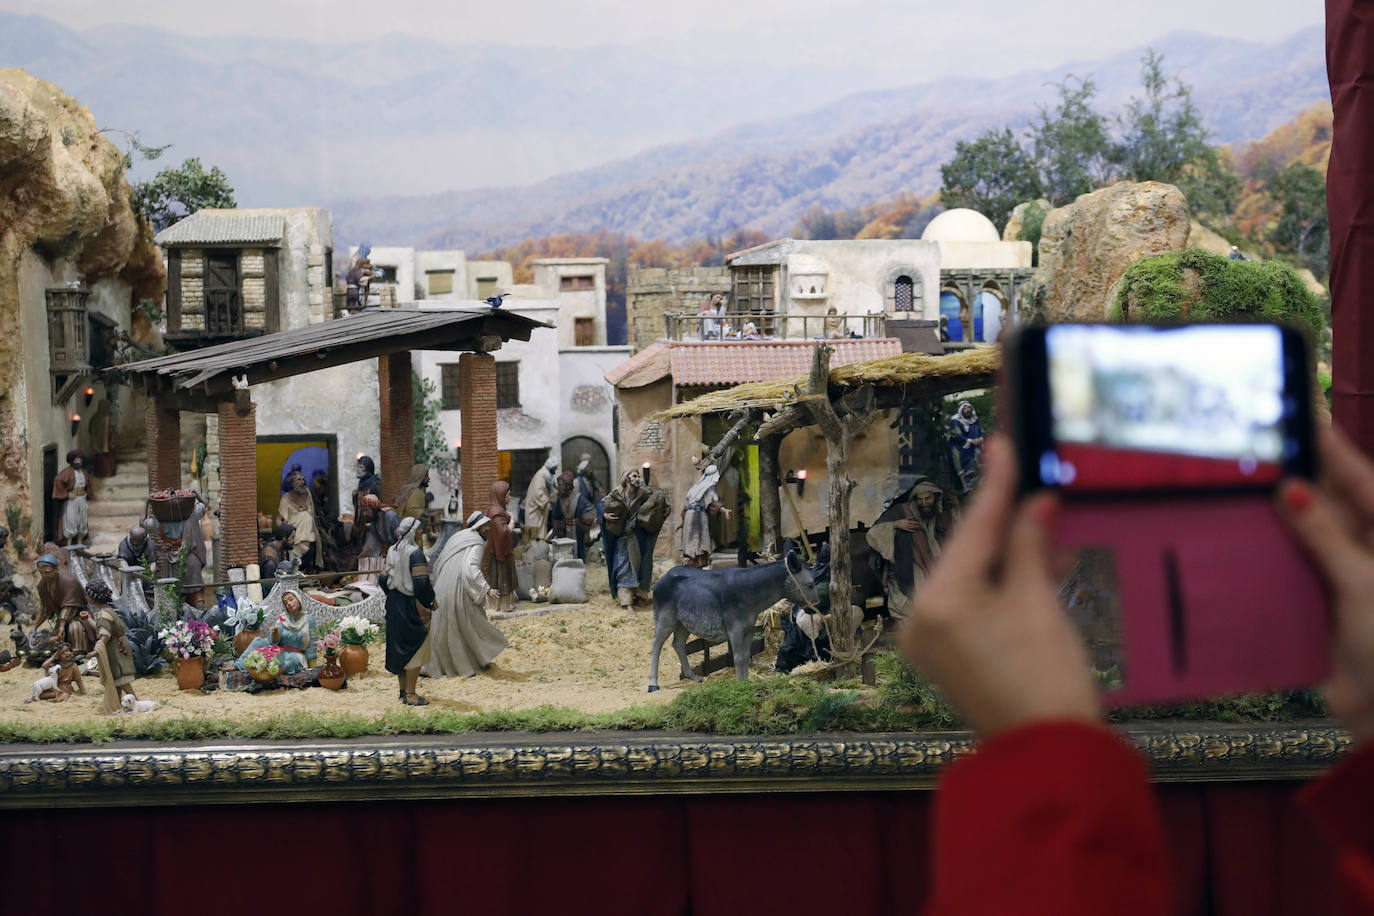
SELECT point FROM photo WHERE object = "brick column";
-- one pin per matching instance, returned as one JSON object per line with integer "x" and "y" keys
{"x": 164, "y": 446}
{"x": 238, "y": 495}
{"x": 477, "y": 399}
{"x": 398, "y": 421}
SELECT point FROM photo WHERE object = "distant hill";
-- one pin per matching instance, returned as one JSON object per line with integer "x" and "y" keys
{"x": 871, "y": 146}
{"x": 1305, "y": 139}
{"x": 295, "y": 123}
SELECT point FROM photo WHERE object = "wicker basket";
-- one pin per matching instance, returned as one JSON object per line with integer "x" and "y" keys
{"x": 262, "y": 677}
{"x": 172, "y": 509}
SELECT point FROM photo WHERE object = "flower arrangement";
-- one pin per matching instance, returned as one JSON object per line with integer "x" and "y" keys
{"x": 263, "y": 662}
{"x": 328, "y": 643}
{"x": 357, "y": 631}
{"x": 246, "y": 617}
{"x": 189, "y": 638}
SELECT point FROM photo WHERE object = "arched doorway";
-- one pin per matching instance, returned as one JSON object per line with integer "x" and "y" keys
{"x": 952, "y": 309}
{"x": 574, "y": 448}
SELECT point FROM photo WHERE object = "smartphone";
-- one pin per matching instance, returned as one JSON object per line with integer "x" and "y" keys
{"x": 1117, "y": 409}
{"x": 1164, "y": 443}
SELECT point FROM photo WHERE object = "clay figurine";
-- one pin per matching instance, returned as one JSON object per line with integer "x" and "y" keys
{"x": 538, "y": 499}
{"x": 634, "y": 514}
{"x": 462, "y": 640}
{"x": 73, "y": 487}
{"x": 907, "y": 538}
{"x": 293, "y": 632}
{"x": 409, "y": 603}
{"x": 297, "y": 509}
{"x": 498, "y": 560}
{"x": 702, "y": 503}
{"x": 62, "y": 599}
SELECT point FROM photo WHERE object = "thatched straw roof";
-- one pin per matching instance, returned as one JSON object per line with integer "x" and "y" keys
{"x": 918, "y": 374}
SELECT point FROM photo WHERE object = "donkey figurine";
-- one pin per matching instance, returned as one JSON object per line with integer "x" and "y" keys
{"x": 718, "y": 604}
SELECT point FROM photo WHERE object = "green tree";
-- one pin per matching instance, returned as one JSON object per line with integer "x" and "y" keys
{"x": 1070, "y": 144}
{"x": 1302, "y": 230}
{"x": 991, "y": 174}
{"x": 1163, "y": 138}
{"x": 175, "y": 193}
{"x": 1162, "y": 133}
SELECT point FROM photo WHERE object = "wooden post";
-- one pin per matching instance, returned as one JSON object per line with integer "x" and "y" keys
{"x": 770, "y": 505}
{"x": 843, "y": 622}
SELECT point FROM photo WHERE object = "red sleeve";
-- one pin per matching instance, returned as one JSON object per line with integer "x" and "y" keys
{"x": 1051, "y": 818}
{"x": 1341, "y": 803}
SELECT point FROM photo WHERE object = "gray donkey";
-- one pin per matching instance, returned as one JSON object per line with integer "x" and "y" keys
{"x": 718, "y": 604}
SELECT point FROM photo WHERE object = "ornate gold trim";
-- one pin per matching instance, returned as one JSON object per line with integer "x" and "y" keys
{"x": 619, "y": 763}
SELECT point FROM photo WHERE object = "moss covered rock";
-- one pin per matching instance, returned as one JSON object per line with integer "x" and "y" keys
{"x": 1196, "y": 285}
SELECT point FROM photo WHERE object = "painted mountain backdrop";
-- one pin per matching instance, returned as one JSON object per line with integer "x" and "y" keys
{"x": 296, "y": 123}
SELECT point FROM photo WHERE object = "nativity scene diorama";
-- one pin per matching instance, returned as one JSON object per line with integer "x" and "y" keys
{"x": 305, "y": 496}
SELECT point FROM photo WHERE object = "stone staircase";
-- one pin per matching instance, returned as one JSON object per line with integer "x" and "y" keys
{"x": 119, "y": 502}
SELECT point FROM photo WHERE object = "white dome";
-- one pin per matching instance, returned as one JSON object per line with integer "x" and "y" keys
{"x": 961, "y": 225}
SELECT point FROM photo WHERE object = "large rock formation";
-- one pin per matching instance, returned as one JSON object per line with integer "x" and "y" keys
{"x": 1085, "y": 247}
{"x": 63, "y": 194}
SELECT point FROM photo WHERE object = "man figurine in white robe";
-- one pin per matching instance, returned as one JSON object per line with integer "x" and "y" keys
{"x": 462, "y": 640}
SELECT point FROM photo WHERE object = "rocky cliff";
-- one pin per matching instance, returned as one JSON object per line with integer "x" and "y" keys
{"x": 1086, "y": 246}
{"x": 63, "y": 195}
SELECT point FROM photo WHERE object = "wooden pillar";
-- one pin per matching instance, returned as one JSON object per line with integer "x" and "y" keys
{"x": 163, "y": 427}
{"x": 770, "y": 504}
{"x": 396, "y": 394}
{"x": 477, "y": 400}
{"x": 238, "y": 495}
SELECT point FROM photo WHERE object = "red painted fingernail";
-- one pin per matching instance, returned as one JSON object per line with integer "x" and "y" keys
{"x": 1047, "y": 512}
{"x": 1297, "y": 496}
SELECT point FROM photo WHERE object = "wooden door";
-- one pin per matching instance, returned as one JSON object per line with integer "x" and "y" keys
{"x": 51, "y": 520}
{"x": 223, "y": 299}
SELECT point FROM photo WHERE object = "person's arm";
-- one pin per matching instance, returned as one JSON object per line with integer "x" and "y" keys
{"x": 1334, "y": 521}
{"x": 1053, "y": 811}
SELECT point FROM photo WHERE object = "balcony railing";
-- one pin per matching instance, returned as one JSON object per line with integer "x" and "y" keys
{"x": 379, "y": 295}
{"x": 772, "y": 326}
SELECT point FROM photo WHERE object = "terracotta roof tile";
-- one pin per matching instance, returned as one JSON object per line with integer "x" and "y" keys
{"x": 731, "y": 362}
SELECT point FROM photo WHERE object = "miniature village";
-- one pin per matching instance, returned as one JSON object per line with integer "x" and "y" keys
{"x": 254, "y": 472}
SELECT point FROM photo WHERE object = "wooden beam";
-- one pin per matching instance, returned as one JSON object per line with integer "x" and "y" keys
{"x": 786, "y": 420}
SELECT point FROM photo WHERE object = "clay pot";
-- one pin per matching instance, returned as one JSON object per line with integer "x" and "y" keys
{"x": 243, "y": 639}
{"x": 332, "y": 676}
{"x": 353, "y": 659}
{"x": 190, "y": 672}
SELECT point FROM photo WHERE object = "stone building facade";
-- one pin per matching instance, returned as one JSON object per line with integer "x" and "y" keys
{"x": 653, "y": 292}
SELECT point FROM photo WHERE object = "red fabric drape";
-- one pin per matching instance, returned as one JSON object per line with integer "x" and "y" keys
{"x": 1350, "y": 207}
{"x": 1242, "y": 849}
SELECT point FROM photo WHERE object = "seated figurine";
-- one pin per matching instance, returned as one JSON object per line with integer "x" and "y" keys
{"x": 293, "y": 633}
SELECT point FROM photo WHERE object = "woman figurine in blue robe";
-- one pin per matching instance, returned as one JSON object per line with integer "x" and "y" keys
{"x": 294, "y": 632}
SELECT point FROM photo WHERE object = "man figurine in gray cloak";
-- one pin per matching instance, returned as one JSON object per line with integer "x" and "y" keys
{"x": 409, "y": 603}
{"x": 634, "y": 513}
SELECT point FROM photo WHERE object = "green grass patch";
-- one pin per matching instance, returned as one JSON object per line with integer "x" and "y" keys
{"x": 1210, "y": 287}
{"x": 768, "y": 705}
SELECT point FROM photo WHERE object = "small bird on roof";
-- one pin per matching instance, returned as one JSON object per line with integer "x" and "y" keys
{"x": 495, "y": 301}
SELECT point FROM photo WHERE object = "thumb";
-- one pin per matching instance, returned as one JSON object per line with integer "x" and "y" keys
{"x": 1312, "y": 518}
{"x": 1029, "y": 550}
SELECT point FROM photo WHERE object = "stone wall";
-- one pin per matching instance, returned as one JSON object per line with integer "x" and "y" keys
{"x": 653, "y": 291}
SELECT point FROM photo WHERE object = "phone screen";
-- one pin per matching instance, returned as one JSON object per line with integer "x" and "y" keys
{"x": 1135, "y": 407}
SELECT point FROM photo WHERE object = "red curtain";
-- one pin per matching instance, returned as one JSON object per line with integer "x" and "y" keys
{"x": 1350, "y": 207}
{"x": 1239, "y": 849}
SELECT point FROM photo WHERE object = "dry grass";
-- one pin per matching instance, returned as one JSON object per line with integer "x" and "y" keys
{"x": 975, "y": 367}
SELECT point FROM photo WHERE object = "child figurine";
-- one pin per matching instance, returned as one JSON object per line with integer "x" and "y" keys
{"x": 64, "y": 676}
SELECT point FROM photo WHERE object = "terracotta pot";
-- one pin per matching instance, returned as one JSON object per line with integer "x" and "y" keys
{"x": 243, "y": 639}
{"x": 353, "y": 659}
{"x": 190, "y": 672}
{"x": 331, "y": 675}
{"x": 262, "y": 677}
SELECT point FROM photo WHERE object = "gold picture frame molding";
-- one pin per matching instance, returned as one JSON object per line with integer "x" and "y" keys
{"x": 494, "y": 765}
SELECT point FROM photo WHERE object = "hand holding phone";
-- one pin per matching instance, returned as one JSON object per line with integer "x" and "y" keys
{"x": 1166, "y": 445}
{"x": 1334, "y": 521}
